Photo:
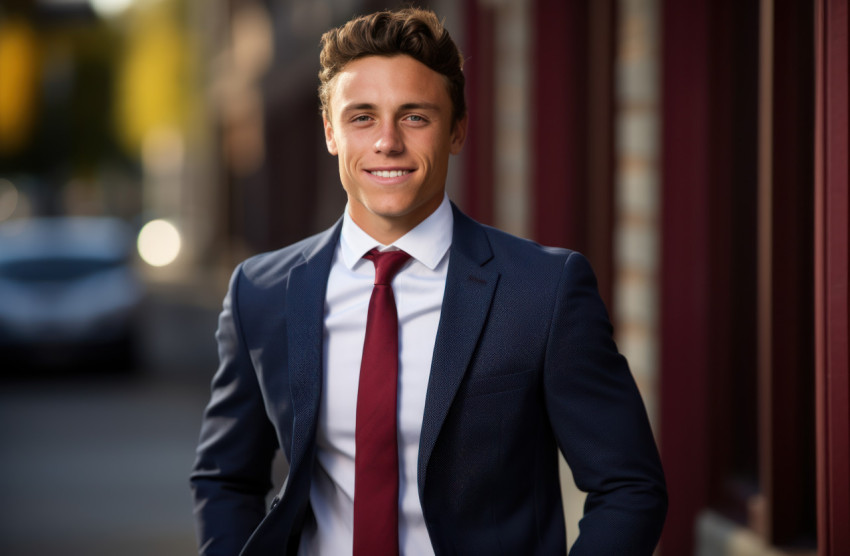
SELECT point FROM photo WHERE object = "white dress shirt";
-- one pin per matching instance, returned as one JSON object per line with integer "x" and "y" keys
{"x": 418, "y": 290}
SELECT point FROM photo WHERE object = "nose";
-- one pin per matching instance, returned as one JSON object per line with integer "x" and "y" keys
{"x": 389, "y": 140}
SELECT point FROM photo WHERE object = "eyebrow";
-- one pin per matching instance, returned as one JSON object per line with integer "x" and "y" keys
{"x": 402, "y": 108}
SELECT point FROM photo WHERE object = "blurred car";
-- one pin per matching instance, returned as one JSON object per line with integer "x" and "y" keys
{"x": 68, "y": 291}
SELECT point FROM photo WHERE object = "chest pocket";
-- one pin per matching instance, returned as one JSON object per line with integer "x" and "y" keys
{"x": 489, "y": 385}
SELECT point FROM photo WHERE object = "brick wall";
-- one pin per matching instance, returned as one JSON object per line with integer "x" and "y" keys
{"x": 637, "y": 197}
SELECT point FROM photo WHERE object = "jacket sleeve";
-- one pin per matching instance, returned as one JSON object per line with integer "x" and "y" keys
{"x": 231, "y": 475}
{"x": 601, "y": 424}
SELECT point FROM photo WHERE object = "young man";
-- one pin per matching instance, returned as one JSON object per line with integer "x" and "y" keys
{"x": 420, "y": 407}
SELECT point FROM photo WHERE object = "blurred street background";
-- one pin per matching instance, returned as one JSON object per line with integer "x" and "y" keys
{"x": 95, "y": 461}
{"x": 106, "y": 339}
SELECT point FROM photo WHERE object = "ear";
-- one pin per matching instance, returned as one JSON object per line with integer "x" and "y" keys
{"x": 458, "y": 135}
{"x": 330, "y": 141}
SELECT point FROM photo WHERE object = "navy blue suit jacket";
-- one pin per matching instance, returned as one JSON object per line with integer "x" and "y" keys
{"x": 524, "y": 364}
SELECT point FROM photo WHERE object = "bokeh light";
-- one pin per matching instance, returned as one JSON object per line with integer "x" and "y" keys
{"x": 159, "y": 243}
{"x": 109, "y": 8}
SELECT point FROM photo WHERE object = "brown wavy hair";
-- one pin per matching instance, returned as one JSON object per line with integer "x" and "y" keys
{"x": 411, "y": 31}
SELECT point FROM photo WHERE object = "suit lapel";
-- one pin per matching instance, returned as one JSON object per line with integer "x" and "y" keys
{"x": 466, "y": 303}
{"x": 470, "y": 287}
{"x": 305, "y": 301}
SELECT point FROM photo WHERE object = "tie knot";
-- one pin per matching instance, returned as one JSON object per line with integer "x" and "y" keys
{"x": 387, "y": 264}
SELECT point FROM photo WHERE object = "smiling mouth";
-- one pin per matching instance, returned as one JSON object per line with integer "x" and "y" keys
{"x": 389, "y": 173}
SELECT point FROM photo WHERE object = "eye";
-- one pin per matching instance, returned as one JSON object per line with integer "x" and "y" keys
{"x": 415, "y": 119}
{"x": 361, "y": 118}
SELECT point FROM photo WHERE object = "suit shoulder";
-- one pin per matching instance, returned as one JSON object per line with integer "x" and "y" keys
{"x": 525, "y": 251}
{"x": 265, "y": 269}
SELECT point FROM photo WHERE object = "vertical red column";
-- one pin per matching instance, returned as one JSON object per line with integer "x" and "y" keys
{"x": 572, "y": 154}
{"x": 832, "y": 272}
{"x": 558, "y": 156}
{"x": 685, "y": 269}
{"x": 477, "y": 194}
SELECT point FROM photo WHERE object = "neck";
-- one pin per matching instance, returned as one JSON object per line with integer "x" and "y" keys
{"x": 384, "y": 234}
{"x": 385, "y": 229}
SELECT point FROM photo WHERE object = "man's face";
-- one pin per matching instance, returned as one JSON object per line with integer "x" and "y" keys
{"x": 391, "y": 127}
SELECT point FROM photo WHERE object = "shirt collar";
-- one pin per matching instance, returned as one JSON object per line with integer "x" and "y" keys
{"x": 427, "y": 242}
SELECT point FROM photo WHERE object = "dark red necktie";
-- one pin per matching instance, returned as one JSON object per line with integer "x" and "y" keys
{"x": 376, "y": 442}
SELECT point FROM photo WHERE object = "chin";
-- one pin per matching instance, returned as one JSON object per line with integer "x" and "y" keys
{"x": 392, "y": 209}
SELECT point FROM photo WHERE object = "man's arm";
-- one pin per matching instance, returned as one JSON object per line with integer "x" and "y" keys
{"x": 231, "y": 475}
{"x": 601, "y": 425}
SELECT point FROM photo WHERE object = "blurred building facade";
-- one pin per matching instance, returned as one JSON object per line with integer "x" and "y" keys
{"x": 695, "y": 151}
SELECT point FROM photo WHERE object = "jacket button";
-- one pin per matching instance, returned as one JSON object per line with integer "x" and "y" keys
{"x": 274, "y": 503}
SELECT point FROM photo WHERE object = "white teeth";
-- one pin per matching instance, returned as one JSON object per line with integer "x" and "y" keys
{"x": 390, "y": 174}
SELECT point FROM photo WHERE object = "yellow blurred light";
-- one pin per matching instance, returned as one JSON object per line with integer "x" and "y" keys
{"x": 153, "y": 82}
{"x": 159, "y": 243}
{"x": 18, "y": 75}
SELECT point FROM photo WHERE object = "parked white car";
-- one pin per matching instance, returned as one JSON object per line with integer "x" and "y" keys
{"x": 69, "y": 292}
